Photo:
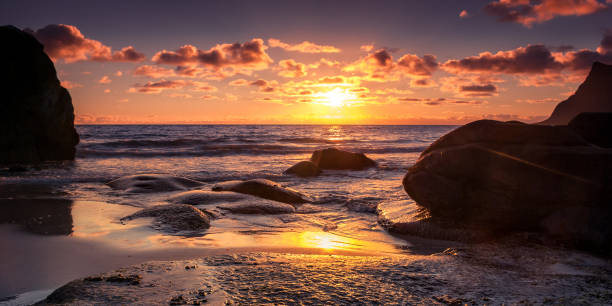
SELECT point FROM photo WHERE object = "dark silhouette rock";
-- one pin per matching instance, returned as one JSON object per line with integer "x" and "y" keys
{"x": 144, "y": 183}
{"x": 594, "y": 128}
{"x": 39, "y": 216}
{"x": 265, "y": 189}
{"x": 37, "y": 117}
{"x": 304, "y": 169}
{"x": 501, "y": 177}
{"x": 593, "y": 95}
{"x": 174, "y": 218}
{"x": 332, "y": 158}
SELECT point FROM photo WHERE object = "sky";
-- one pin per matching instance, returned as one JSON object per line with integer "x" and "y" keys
{"x": 317, "y": 62}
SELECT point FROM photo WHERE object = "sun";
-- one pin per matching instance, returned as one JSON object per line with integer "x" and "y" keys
{"x": 337, "y": 97}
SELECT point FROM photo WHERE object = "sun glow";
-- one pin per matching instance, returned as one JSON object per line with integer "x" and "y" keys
{"x": 337, "y": 97}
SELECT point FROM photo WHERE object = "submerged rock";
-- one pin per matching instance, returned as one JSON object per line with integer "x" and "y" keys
{"x": 174, "y": 218}
{"x": 506, "y": 176}
{"x": 264, "y": 189}
{"x": 37, "y": 117}
{"x": 304, "y": 169}
{"x": 204, "y": 197}
{"x": 593, "y": 95}
{"x": 332, "y": 158}
{"x": 142, "y": 183}
{"x": 262, "y": 207}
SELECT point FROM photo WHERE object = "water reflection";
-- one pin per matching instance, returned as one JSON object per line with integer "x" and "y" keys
{"x": 38, "y": 216}
{"x": 99, "y": 221}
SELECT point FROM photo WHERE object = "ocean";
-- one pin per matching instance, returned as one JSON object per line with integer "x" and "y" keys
{"x": 64, "y": 224}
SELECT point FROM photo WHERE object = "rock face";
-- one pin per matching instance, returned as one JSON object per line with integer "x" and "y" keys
{"x": 304, "y": 168}
{"x": 507, "y": 176}
{"x": 143, "y": 183}
{"x": 332, "y": 158}
{"x": 265, "y": 189}
{"x": 593, "y": 95}
{"x": 37, "y": 117}
{"x": 174, "y": 218}
{"x": 592, "y": 127}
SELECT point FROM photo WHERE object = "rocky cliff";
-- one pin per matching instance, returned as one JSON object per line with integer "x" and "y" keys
{"x": 593, "y": 95}
{"x": 37, "y": 117}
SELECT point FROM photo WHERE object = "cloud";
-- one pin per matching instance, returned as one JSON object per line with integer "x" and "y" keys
{"x": 291, "y": 69}
{"x": 127, "y": 54}
{"x": 379, "y": 66}
{"x": 66, "y": 42}
{"x": 70, "y": 84}
{"x": 239, "y": 82}
{"x": 265, "y": 86}
{"x": 478, "y": 90}
{"x": 606, "y": 42}
{"x": 464, "y": 14}
{"x": 153, "y": 71}
{"x": 304, "y": 47}
{"x": 538, "y": 101}
{"x": 441, "y": 101}
{"x": 105, "y": 80}
{"x": 418, "y": 66}
{"x": 157, "y": 86}
{"x": 422, "y": 83}
{"x": 250, "y": 55}
{"x": 367, "y": 48}
{"x": 530, "y": 59}
{"x": 528, "y": 12}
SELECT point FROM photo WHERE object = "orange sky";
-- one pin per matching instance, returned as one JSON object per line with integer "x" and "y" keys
{"x": 462, "y": 66}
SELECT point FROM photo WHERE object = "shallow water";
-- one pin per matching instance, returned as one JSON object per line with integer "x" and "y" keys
{"x": 90, "y": 211}
{"x": 67, "y": 220}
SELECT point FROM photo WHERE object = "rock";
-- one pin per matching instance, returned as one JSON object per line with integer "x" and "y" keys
{"x": 332, "y": 158}
{"x": 500, "y": 177}
{"x": 593, "y": 127}
{"x": 304, "y": 169}
{"x": 262, "y": 207}
{"x": 265, "y": 189}
{"x": 37, "y": 117}
{"x": 142, "y": 183}
{"x": 204, "y": 197}
{"x": 407, "y": 218}
{"x": 593, "y": 95}
{"x": 174, "y": 218}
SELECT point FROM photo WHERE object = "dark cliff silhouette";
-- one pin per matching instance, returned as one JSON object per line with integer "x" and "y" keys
{"x": 37, "y": 117}
{"x": 593, "y": 95}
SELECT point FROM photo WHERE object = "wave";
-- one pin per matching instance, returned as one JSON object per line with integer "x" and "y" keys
{"x": 161, "y": 143}
{"x": 228, "y": 149}
{"x": 316, "y": 140}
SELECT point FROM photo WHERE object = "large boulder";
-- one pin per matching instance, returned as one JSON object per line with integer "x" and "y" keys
{"x": 37, "y": 117}
{"x": 304, "y": 168}
{"x": 593, "y": 95}
{"x": 332, "y": 158}
{"x": 508, "y": 176}
{"x": 593, "y": 128}
{"x": 174, "y": 218}
{"x": 145, "y": 183}
{"x": 265, "y": 189}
